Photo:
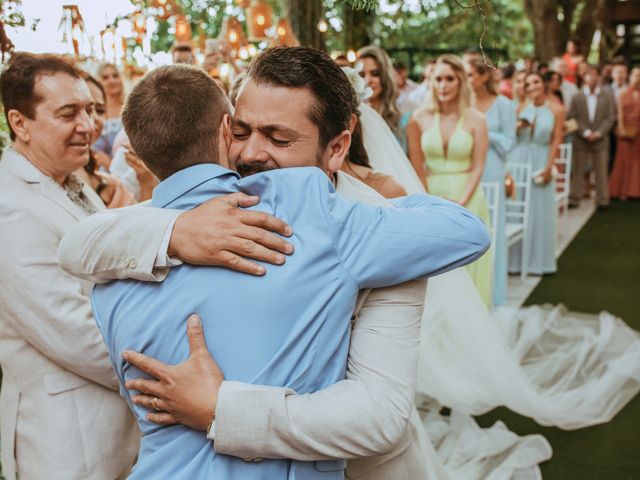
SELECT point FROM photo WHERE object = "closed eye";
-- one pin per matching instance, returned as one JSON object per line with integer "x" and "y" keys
{"x": 280, "y": 143}
{"x": 240, "y": 135}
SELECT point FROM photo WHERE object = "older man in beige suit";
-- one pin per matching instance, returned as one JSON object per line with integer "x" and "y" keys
{"x": 61, "y": 416}
{"x": 58, "y": 387}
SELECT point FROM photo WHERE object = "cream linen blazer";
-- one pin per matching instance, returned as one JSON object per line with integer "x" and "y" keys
{"x": 61, "y": 416}
{"x": 369, "y": 418}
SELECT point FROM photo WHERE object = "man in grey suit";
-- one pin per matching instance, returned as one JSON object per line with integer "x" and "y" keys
{"x": 594, "y": 109}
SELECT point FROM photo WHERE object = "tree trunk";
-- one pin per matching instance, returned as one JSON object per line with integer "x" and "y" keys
{"x": 590, "y": 20}
{"x": 356, "y": 28}
{"x": 548, "y": 32}
{"x": 551, "y": 33}
{"x": 304, "y": 16}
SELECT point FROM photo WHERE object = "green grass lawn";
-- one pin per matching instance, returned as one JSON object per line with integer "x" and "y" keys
{"x": 600, "y": 270}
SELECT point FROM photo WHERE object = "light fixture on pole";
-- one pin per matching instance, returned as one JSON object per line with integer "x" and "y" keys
{"x": 284, "y": 36}
{"x": 183, "y": 29}
{"x": 232, "y": 33}
{"x": 259, "y": 20}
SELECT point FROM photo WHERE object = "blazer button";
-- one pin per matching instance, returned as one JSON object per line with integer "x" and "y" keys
{"x": 131, "y": 263}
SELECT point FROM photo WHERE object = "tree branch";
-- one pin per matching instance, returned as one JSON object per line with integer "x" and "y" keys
{"x": 477, "y": 6}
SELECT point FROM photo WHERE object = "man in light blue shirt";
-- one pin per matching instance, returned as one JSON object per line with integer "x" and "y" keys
{"x": 290, "y": 329}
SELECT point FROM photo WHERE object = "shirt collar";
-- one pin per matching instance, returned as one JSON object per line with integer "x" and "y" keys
{"x": 186, "y": 180}
{"x": 587, "y": 91}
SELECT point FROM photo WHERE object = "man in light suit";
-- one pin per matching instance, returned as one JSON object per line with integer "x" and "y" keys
{"x": 341, "y": 416}
{"x": 594, "y": 109}
{"x": 60, "y": 413}
{"x": 58, "y": 387}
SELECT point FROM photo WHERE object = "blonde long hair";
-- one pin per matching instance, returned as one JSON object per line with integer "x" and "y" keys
{"x": 388, "y": 109}
{"x": 482, "y": 67}
{"x": 464, "y": 93}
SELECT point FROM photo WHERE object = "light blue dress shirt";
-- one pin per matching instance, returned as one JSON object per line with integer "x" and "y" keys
{"x": 290, "y": 328}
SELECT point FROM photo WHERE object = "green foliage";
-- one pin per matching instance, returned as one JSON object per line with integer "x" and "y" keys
{"x": 363, "y": 4}
{"x": 429, "y": 24}
{"x": 207, "y": 15}
{"x": 12, "y": 13}
{"x": 446, "y": 24}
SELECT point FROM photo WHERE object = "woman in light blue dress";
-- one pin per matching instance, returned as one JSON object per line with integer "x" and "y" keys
{"x": 540, "y": 129}
{"x": 501, "y": 121}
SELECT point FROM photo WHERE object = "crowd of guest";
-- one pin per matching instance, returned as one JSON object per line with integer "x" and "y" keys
{"x": 526, "y": 114}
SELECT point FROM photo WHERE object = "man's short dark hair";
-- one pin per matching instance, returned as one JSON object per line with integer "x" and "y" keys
{"x": 172, "y": 118}
{"x": 508, "y": 70}
{"x": 620, "y": 61}
{"x": 18, "y": 81}
{"x": 303, "y": 67}
{"x": 400, "y": 66}
{"x": 594, "y": 68}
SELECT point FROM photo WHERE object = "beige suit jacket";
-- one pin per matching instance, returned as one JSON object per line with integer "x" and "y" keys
{"x": 370, "y": 417}
{"x": 60, "y": 413}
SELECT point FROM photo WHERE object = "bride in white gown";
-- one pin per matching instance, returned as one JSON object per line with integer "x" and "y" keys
{"x": 559, "y": 368}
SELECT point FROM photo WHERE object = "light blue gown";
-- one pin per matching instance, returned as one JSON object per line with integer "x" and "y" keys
{"x": 501, "y": 121}
{"x": 533, "y": 147}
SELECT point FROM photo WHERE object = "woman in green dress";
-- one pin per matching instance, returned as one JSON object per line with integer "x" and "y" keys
{"x": 447, "y": 144}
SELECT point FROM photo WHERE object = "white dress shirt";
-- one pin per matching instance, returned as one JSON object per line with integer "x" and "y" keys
{"x": 592, "y": 101}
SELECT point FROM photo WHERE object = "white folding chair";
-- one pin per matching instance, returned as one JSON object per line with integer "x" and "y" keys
{"x": 491, "y": 193}
{"x": 563, "y": 179}
{"x": 517, "y": 211}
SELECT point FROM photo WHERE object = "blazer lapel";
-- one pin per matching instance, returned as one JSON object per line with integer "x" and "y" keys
{"x": 600, "y": 107}
{"x": 23, "y": 168}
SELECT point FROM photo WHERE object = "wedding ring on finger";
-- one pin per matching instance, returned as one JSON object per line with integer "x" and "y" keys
{"x": 155, "y": 403}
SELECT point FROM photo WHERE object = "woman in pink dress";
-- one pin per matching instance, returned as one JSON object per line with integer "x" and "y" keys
{"x": 625, "y": 177}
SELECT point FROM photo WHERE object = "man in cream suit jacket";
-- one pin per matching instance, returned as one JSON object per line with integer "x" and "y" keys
{"x": 61, "y": 416}
{"x": 356, "y": 418}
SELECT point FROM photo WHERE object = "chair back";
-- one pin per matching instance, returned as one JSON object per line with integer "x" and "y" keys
{"x": 517, "y": 209}
{"x": 563, "y": 177}
{"x": 491, "y": 193}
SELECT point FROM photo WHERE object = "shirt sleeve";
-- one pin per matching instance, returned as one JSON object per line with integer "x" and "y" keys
{"x": 420, "y": 236}
{"x": 118, "y": 244}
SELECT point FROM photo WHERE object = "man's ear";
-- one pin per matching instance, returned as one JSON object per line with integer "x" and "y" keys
{"x": 225, "y": 128}
{"x": 338, "y": 149}
{"x": 17, "y": 122}
{"x": 353, "y": 122}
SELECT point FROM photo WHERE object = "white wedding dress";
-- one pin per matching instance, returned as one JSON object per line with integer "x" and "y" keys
{"x": 559, "y": 368}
